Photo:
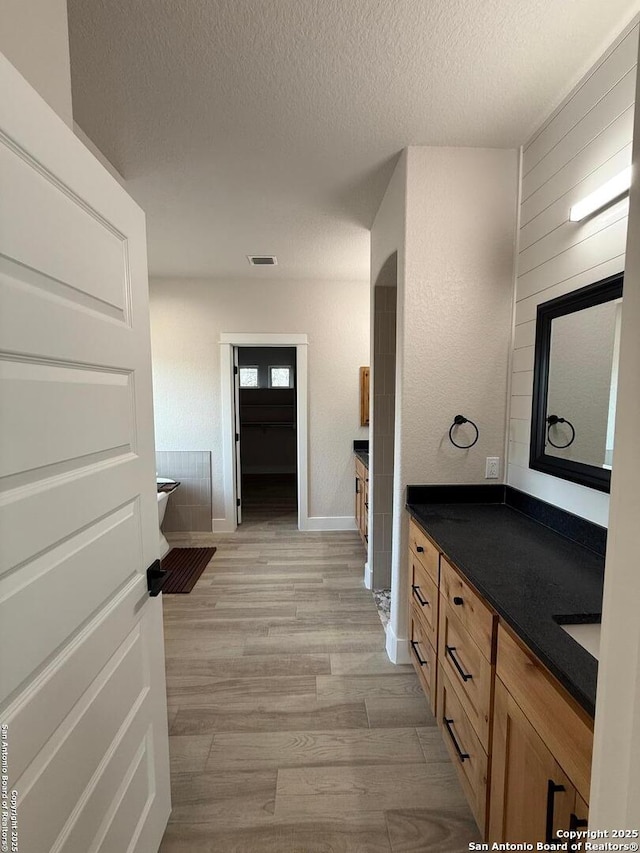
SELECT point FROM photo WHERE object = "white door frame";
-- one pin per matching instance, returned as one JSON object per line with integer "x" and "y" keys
{"x": 237, "y": 428}
{"x": 229, "y": 340}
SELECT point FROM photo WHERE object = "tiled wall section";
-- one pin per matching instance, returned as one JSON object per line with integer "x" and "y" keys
{"x": 384, "y": 399}
{"x": 189, "y": 507}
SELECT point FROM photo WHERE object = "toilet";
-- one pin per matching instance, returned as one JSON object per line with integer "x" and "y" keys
{"x": 163, "y": 500}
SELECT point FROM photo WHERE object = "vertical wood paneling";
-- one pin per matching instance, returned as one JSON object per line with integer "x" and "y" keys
{"x": 583, "y": 144}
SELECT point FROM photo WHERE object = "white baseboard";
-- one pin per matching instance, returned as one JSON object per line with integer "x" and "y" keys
{"x": 222, "y": 525}
{"x": 330, "y": 522}
{"x": 368, "y": 576}
{"x": 397, "y": 648}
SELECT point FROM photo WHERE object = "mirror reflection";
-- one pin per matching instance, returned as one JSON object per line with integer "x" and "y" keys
{"x": 575, "y": 377}
{"x": 583, "y": 378}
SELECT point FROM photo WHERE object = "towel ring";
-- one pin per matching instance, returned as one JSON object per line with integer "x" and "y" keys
{"x": 552, "y": 420}
{"x": 458, "y": 421}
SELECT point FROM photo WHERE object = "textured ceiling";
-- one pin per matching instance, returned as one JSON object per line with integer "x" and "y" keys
{"x": 272, "y": 126}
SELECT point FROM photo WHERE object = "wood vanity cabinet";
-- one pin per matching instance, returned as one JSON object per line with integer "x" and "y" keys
{"x": 452, "y": 643}
{"x": 466, "y": 677}
{"x": 531, "y": 795}
{"x": 424, "y": 574}
{"x": 521, "y": 745}
{"x": 541, "y": 757}
{"x": 362, "y": 501}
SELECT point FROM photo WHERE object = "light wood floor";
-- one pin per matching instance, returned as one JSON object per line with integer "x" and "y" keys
{"x": 290, "y": 731}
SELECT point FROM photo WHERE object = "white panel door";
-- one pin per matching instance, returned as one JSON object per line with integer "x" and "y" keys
{"x": 82, "y": 685}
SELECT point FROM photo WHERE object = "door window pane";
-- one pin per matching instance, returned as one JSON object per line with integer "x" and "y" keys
{"x": 248, "y": 377}
{"x": 280, "y": 377}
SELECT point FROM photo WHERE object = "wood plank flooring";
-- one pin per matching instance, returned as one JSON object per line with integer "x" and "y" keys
{"x": 290, "y": 731}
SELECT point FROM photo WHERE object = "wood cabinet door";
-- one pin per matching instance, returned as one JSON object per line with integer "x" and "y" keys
{"x": 531, "y": 797}
{"x": 364, "y": 395}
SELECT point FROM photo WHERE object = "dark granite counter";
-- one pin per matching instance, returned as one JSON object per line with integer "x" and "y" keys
{"x": 363, "y": 456}
{"x": 528, "y": 573}
{"x": 361, "y": 450}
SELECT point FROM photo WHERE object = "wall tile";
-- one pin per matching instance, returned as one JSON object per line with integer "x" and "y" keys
{"x": 384, "y": 490}
{"x": 189, "y": 506}
{"x": 387, "y": 536}
{"x": 378, "y": 528}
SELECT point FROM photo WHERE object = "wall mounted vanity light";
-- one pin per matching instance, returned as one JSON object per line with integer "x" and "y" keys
{"x": 613, "y": 190}
{"x": 458, "y": 421}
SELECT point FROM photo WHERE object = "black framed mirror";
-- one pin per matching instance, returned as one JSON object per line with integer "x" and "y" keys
{"x": 575, "y": 382}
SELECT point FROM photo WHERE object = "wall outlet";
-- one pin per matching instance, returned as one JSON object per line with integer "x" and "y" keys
{"x": 492, "y": 471}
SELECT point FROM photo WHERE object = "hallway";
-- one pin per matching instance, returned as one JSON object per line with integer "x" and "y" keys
{"x": 290, "y": 731}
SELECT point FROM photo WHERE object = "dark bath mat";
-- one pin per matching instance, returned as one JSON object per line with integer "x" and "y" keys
{"x": 185, "y": 565}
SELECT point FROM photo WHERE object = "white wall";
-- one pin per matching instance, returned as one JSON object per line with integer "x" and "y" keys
{"x": 187, "y": 318}
{"x": 461, "y": 206}
{"x": 615, "y": 788}
{"x": 34, "y": 37}
{"x": 450, "y": 213}
{"x": 585, "y": 142}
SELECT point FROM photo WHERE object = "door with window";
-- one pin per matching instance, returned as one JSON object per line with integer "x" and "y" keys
{"x": 266, "y": 431}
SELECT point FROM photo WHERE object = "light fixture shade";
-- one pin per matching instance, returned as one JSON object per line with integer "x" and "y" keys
{"x": 613, "y": 189}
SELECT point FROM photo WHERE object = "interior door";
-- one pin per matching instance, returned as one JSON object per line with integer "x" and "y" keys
{"x": 236, "y": 418}
{"x": 82, "y": 686}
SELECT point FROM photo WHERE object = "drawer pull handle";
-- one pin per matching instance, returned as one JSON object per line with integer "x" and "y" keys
{"x": 418, "y": 595}
{"x": 461, "y": 755}
{"x": 414, "y": 646}
{"x": 465, "y": 676}
{"x": 576, "y": 822}
{"x": 419, "y": 549}
{"x": 552, "y": 790}
{"x": 457, "y": 600}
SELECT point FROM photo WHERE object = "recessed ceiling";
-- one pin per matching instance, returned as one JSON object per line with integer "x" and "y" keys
{"x": 277, "y": 123}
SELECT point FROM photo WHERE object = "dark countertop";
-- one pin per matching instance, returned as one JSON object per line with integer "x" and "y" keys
{"x": 363, "y": 456}
{"x": 528, "y": 574}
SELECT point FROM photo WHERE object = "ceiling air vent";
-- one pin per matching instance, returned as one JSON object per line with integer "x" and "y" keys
{"x": 262, "y": 260}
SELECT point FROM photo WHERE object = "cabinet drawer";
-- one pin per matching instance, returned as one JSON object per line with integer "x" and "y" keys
{"x": 467, "y": 753}
{"x": 424, "y": 597}
{"x": 467, "y": 669}
{"x": 474, "y": 614}
{"x": 425, "y": 550}
{"x": 424, "y": 657}
{"x": 361, "y": 470}
{"x": 563, "y": 726}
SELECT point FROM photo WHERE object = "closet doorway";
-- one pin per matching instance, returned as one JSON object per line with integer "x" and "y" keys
{"x": 266, "y": 432}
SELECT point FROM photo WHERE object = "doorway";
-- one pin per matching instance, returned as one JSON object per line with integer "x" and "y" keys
{"x": 385, "y": 297}
{"x": 230, "y": 344}
{"x": 266, "y": 417}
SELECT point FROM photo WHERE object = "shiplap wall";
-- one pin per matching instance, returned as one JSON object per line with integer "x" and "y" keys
{"x": 585, "y": 142}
